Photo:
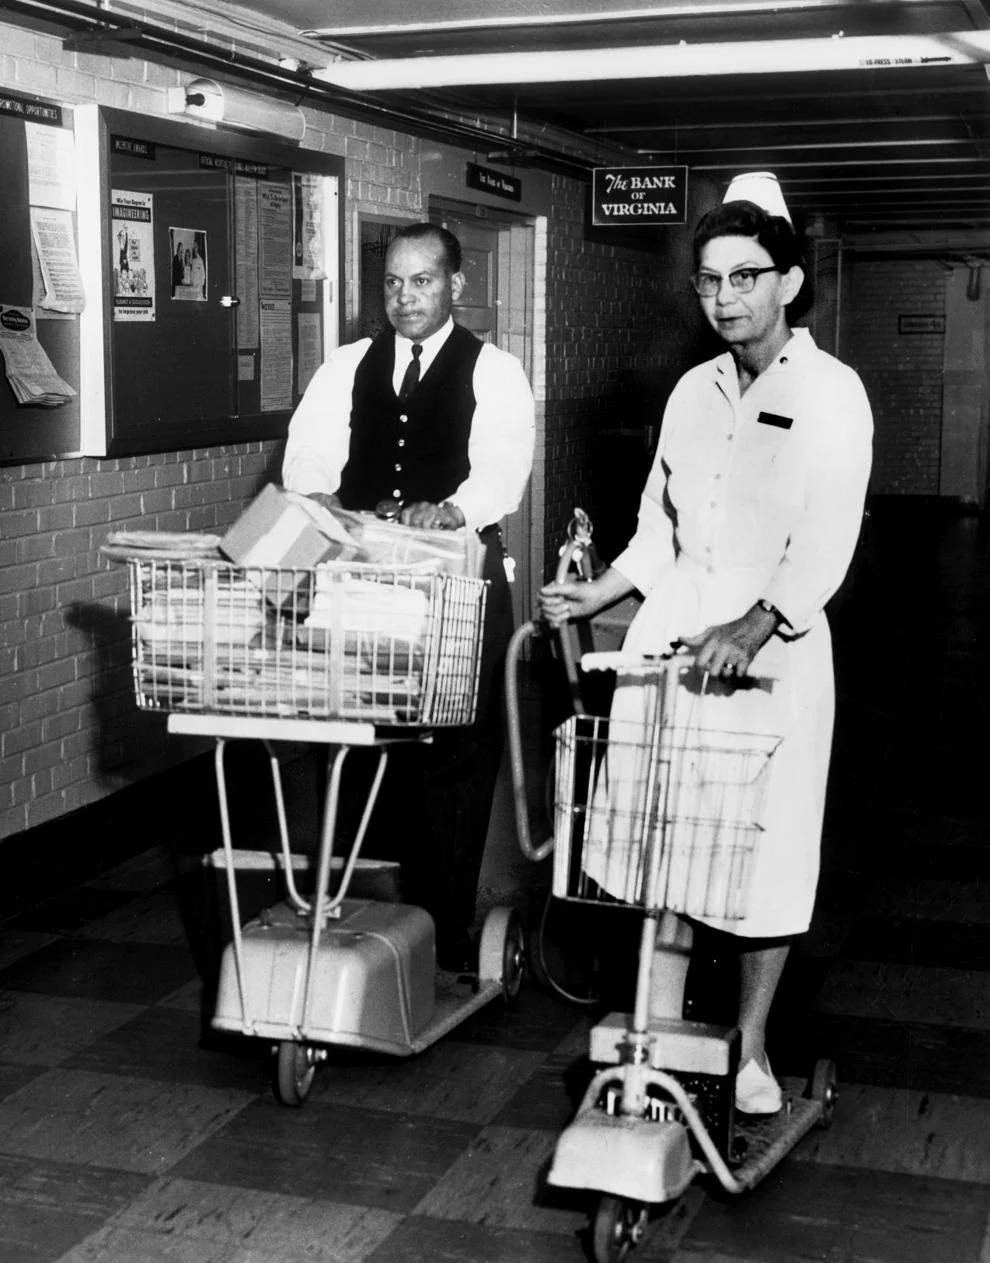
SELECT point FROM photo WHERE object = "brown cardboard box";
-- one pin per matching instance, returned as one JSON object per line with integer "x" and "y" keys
{"x": 282, "y": 530}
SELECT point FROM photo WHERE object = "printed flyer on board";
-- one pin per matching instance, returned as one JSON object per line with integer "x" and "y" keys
{"x": 133, "y": 252}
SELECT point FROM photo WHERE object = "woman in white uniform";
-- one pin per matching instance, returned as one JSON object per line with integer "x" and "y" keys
{"x": 746, "y": 527}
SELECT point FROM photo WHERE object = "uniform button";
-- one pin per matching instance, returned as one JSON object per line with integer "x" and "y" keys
{"x": 398, "y": 468}
{"x": 397, "y": 493}
{"x": 728, "y": 438}
{"x": 718, "y": 477}
{"x": 401, "y": 443}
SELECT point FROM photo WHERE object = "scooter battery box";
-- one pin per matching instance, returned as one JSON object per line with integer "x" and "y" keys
{"x": 703, "y": 1058}
{"x": 371, "y": 985}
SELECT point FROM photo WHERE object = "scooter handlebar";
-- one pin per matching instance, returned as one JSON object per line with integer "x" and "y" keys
{"x": 516, "y": 762}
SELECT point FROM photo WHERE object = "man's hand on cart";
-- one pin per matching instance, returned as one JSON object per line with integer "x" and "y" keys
{"x": 328, "y": 501}
{"x": 728, "y": 649}
{"x": 427, "y": 516}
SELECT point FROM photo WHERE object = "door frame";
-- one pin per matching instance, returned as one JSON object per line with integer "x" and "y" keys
{"x": 521, "y": 240}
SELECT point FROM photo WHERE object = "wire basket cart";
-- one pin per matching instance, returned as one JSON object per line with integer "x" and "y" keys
{"x": 343, "y": 655}
{"x": 351, "y": 641}
{"x": 657, "y": 811}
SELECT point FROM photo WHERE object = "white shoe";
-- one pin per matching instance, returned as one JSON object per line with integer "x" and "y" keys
{"x": 757, "y": 1091}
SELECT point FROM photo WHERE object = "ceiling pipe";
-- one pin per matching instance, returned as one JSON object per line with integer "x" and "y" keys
{"x": 661, "y": 61}
{"x": 443, "y": 126}
{"x": 664, "y": 11}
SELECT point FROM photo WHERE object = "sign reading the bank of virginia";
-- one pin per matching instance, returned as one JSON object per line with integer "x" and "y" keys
{"x": 638, "y": 196}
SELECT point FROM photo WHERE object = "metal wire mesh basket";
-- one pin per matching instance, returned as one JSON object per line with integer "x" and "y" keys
{"x": 351, "y": 642}
{"x": 658, "y": 815}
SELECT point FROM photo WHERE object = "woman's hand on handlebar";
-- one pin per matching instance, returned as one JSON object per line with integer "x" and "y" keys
{"x": 580, "y": 598}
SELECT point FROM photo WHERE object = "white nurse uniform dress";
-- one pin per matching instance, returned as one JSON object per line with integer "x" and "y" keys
{"x": 755, "y": 496}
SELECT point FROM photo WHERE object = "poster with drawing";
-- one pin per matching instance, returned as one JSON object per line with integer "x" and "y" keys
{"x": 132, "y": 246}
{"x": 187, "y": 247}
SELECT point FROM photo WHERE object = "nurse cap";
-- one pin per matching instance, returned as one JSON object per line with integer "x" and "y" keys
{"x": 760, "y": 187}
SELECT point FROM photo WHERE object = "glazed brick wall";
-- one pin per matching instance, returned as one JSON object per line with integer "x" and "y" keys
{"x": 902, "y": 372}
{"x": 69, "y": 730}
{"x": 621, "y": 328}
{"x": 611, "y": 334}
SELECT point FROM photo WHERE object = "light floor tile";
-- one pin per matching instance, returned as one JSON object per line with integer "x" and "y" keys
{"x": 112, "y": 1120}
{"x": 174, "y": 1217}
{"x": 913, "y": 1133}
{"x": 44, "y": 1030}
{"x": 499, "y": 1180}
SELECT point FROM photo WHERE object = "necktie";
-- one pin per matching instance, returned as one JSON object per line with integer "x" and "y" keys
{"x": 411, "y": 377}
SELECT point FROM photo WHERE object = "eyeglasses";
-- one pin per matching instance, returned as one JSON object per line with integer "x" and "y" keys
{"x": 742, "y": 280}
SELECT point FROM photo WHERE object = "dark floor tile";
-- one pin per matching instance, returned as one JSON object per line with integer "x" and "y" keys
{"x": 14, "y": 1077}
{"x": 169, "y": 1044}
{"x": 138, "y": 973}
{"x": 804, "y": 1213}
{"x": 47, "y": 1207}
{"x": 919, "y": 942}
{"x": 445, "y": 1241}
{"x": 534, "y": 1021}
{"x": 549, "y": 1097}
{"x": 902, "y": 1054}
{"x": 360, "y": 1156}
{"x": 69, "y": 912}
{"x": 965, "y": 860}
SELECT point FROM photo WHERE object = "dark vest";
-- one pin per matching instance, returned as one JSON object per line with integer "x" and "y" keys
{"x": 417, "y": 451}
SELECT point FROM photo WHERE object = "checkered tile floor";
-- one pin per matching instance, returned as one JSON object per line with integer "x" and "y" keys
{"x": 129, "y": 1133}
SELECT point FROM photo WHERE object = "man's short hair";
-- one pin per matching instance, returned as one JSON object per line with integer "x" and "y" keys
{"x": 449, "y": 244}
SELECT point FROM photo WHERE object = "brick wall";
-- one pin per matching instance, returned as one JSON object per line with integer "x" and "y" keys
{"x": 617, "y": 333}
{"x": 621, "y": 328}
{"x": 69, "y": 731}
{"x": 902, "y": 372}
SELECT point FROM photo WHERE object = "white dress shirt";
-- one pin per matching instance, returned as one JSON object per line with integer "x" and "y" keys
{"x": 500, "y": 447}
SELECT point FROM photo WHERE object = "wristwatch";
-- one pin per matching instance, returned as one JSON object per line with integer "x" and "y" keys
{"x": 764, "y": 604}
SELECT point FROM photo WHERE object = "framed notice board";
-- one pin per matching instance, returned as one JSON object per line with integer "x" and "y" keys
{"x": 35, "y": 138}
{"x": 219, "y": 275}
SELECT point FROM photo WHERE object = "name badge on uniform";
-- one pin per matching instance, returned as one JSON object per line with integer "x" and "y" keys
{"x": 771, "y": 418}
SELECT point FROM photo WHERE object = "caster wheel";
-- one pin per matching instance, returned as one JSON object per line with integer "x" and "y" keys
{"x": 295, "y": 1069}
{"x": 501, "y": 952}
{"x": 618, "y": 1226}
{"x": 824, "y": 1089}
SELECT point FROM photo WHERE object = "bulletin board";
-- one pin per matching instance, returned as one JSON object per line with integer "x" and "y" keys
{"x": 373, "y": 236}
{"x": 29, "y": 431}
{"x": 220, "y": 273}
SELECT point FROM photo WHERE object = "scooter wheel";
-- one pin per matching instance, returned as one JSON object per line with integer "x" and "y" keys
{"x": 501, "y": 953}
{"x": 617, "y": 1228}
{"x": 295, "y": 1069}
{"x": 824, "y": 1089}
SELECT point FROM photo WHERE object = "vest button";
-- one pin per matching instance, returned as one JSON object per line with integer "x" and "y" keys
{"x": 403, "y": 417}
{"x": 397, "y": 493}
{"x": 398, "y": 468}
{"x": 401, "y": 443}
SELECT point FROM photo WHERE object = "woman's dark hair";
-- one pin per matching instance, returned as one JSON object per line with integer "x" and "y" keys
{"x": 774, "y": 233}
{"x": 424, "y": 232}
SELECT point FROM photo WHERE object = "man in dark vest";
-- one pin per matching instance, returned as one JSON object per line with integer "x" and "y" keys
{"x": 441, "y": 424}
